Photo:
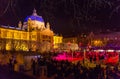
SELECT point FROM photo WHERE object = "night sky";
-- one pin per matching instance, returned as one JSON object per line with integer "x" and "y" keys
{"x": 66, "y": 17}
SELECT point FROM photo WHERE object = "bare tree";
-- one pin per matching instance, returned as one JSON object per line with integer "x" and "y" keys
{"x": 115, "y": 7}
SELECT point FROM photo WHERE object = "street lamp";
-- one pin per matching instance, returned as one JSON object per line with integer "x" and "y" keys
{"x": 84, "y": 56}
{"x": 119, "y": 57}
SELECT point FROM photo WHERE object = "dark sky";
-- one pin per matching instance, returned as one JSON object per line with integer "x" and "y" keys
{"x": 67, "y": 17}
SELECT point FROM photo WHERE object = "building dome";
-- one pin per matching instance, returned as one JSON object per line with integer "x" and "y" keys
{"x": 36, "y": 21}
{"x": 34, "y": 16}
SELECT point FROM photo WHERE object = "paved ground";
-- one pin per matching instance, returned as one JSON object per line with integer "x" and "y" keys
{"x": 6, "y": 74}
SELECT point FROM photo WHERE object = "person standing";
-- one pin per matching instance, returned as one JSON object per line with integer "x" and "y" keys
{"x": 34, "y": 67}
{"x": 15, "y": 65}
{"x": 10, "y": 65}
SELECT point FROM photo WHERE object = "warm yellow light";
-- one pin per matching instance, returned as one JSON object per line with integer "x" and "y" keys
{"x": 57, "y": 40}
{"x": 98, "y": 43}
{"x": 8, "y": 47}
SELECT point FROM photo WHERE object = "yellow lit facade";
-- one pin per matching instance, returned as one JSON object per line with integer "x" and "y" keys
{"x": 28, "y": 36}
{"x": 57, "y": 40}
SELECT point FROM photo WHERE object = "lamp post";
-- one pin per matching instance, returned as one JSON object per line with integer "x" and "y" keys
{"x": 119, "y": 58}
{"x": 84, "y": 56}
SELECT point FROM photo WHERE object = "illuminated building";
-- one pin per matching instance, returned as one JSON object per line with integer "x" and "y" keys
{"x": 30, "y": 36}
{"x": 57, "y": 40}
{"x": 107, "y": 39}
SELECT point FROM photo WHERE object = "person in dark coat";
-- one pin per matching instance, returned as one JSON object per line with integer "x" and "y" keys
{"x": 34, "y": 67}
{"x": 10, "y": 65}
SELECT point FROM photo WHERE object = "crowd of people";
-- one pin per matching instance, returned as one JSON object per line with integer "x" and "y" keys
{"x": 105, "y": 56}
{"x": 47, "y": 66}
{"x": 68, "y": 70}
{"x": 92, "y": 56}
